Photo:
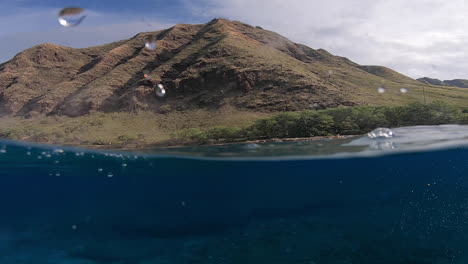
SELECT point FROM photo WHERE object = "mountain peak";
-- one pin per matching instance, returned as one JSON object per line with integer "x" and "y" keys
{"x": 208, "y": 65}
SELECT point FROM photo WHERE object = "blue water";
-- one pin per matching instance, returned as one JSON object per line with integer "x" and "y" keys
{"x": 367, "y": 201}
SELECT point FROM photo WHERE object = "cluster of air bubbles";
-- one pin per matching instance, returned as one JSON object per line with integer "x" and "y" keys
{"x": 150, "y": 43}
{"x": 160, "y": 91}
{"x": 404, "y": 90}
{"x": 381, "y": 90}
{"x": 71, "y": 16}
{"x": 381, "y": 133}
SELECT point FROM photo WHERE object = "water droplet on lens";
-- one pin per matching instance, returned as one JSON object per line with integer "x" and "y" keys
{"x": 71, "y": 16}
{"x": 160, "y": 91}
{"x": 381, "y": 90}
{"x": 381, "y": 133}
{"x": 151, "y": 43}
{"x": 404, "y": 90}
{"x": 147, "y": 75}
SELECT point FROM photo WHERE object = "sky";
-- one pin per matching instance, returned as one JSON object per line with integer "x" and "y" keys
{"x": 417, "y": 38}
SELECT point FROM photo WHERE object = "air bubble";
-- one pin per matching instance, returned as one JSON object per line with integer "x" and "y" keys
{"x": 58, "y": 151}
{"x": 110, "y": 174}
{"x": 381, "y": 133}
{"x": 100, "y": 170}
{"x": 71, "y": 16}
{"x": 3, "y": 150}
{"x": 160, "y": 91}
{"x": 404, "y": 90}
{"x": 150, "y": 43}
{"x": 28, "y": 153}
{"x": 57, "y": 174}
{"x": 124, "y": 165}
{"x": 381, "y": 90}
{"x": 74, "y": 227}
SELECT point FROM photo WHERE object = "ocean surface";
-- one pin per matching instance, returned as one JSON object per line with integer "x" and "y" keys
{"x": 356, "y": 200}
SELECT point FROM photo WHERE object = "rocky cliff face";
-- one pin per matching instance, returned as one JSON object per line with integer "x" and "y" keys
{"x": 208, "y": 65}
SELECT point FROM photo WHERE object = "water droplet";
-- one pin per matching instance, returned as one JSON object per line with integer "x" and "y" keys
{"x": 147, "y": 75}
{"x": 110, "y": 174}
{"x": 151, "y": 43}
{"x": 381, "y": 90}
{"x": 71, "y": 16}
{"x": 160, "y": 91}
{"x": 404, "y": 90}
{"x": 381, "y": 133}
{"x": 100, "y": 170}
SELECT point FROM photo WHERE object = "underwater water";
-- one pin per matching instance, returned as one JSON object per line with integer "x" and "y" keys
{"x": 357, "y": 200}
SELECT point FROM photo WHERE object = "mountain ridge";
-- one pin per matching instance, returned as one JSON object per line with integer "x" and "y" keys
{"x": 461, "y": 83}
{"x": 202, "y": 66}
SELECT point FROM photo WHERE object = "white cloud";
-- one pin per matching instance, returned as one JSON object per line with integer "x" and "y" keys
{"x": 417, "y": 38}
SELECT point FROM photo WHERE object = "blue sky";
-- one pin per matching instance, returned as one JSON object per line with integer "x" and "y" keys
{"x": 418, "y": 37}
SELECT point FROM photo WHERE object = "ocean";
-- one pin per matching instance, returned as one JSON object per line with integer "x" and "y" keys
{"x": 355, "y": 200}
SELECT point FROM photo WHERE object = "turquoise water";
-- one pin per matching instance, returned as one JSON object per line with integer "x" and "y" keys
{"x": 355, "y": 200}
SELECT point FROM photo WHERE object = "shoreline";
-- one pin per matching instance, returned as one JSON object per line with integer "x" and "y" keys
{"x": 168, "y": 145}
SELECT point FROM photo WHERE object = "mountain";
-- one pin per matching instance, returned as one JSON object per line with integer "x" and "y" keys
{"x": 461, "y": 83}
{"x": 202, "y": 66}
